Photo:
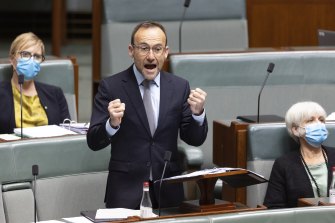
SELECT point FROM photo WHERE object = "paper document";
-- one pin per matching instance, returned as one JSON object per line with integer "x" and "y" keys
{"x": 43, "y": 131}
{"x": 116, "y": 213}
{"x": 331, "y": 116}
{"x": 80, "y": 128}
{"x": 204, "y": 172}
{"x": 9, "y": 137}
{"x": 50, "y": 221}
{"x": 77, "y": 220}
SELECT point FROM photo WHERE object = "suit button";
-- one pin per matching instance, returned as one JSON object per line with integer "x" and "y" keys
{"x": 148, "y": 163}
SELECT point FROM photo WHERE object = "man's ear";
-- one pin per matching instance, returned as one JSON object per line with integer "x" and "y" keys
{"x": 166, "y": 52}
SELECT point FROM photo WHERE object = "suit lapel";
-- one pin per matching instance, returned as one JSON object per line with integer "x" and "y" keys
{"x": 131, "y": 88}
{"x": 166, "y": 93}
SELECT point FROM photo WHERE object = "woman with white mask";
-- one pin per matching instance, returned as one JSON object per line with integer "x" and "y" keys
{"x": 42, "y": 104}
{"x": 306, "y": 172}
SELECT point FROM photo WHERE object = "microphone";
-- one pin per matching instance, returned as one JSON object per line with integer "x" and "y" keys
{"x": 167, "y": 157}
{"x": 35, "y": 173}
{"x": 186, "y": 5}
{"x": 21, "y": 81}
{"x": 269, "y": 71}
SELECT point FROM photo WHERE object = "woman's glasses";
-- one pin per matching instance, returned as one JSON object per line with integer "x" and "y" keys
{"x": 38, "y": 58}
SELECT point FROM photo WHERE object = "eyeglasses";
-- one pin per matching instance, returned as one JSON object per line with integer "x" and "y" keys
{"x": 145, "y": 49}
{"x": 38, "y": 58}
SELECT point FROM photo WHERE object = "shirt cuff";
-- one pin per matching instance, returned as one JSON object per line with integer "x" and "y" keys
{"x": 110, "y": 130}
{"x": 199, "y": 118}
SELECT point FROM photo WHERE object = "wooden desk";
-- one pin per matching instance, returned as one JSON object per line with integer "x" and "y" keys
{"x": 206, "y": 183}
{"x": 178, "y": 213}
{"x": 321, "y": 201}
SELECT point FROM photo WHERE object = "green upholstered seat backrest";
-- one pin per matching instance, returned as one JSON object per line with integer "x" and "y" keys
{"x": 57, "y": 72}
{"x": 216, "y": 24}
{"x": 55, "y": 156}
{"x": 233, "y": 82}
{"x": 265, "y": 143}
{"x": 249, "y": 68}
{"x": 71, "y": 177}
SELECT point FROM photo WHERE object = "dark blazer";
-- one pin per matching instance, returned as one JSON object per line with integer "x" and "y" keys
{"x": 51, "y": 98}
{"x": 289, "y": 180}
{"x": 134, "y": 150}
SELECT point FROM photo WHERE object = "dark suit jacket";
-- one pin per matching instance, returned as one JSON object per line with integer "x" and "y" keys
{"x": 51, "y": 98}
{"x": 134, "y": 150}
{"x": 289, "y": 180}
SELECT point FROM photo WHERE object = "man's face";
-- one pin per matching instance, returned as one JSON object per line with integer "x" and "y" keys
{"x": 149, "y": 51}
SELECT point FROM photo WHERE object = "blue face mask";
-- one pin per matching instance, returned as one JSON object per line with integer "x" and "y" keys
{"x": 316, "y": 134}
{"x": 29, "y": 68}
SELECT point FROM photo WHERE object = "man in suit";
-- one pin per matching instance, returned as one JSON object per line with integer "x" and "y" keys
{"x": 120, "y": 118}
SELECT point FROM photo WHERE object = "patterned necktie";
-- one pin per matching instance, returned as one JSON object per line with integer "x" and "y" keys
{"x": 148, "y": 106}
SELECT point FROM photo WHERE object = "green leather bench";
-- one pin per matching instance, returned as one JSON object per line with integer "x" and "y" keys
{"x": 233, "y": 82}
{"x": 324, "y": 214}
{"x": 218, "y": 25}
{"x": 71, "y": 178}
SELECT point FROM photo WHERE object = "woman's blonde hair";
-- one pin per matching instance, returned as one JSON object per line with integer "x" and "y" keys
{"x": 300, "y": 112}
{"x": 24, "y": 41}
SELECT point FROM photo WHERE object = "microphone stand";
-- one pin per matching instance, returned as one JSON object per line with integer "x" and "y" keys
{"x": 186, "y": 5}
{"x": 269, "y": 70}
{"x": 167, "y": 158}
{"x": 21, "y": 81}
{"x": 35, "y": 173}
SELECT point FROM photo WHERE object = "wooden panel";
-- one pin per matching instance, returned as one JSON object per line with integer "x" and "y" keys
{"x": 282, "y": 23}
{"x": 230, "y": 150}
{"x": 76, "y": 79}
{"x": 319, "y": 201}
{"x": 228, "y": 147}
{"x": 96, "y": 43}
{"x": 241, "y": 154}
{"x": 58, "y": 26}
